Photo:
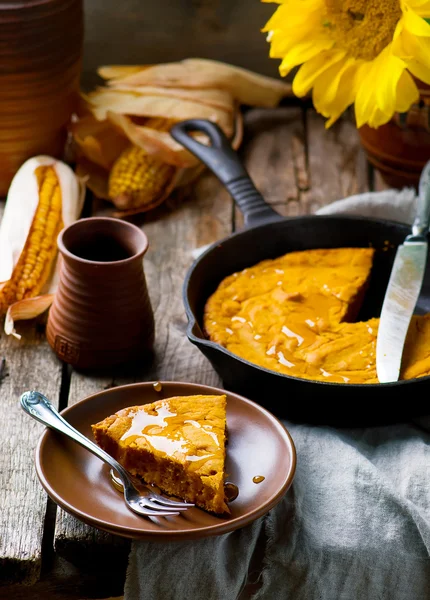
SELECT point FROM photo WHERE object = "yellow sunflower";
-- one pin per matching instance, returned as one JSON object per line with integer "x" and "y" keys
{"x": 354, "y": 51}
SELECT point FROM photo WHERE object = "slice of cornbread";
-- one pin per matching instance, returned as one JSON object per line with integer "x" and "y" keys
{"x": 177, "y": 443}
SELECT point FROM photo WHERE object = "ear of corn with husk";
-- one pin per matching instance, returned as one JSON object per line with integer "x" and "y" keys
{"x": 140, "y": 179}
{"x": 45, "y": 196}
{"x": 122, "y": 130}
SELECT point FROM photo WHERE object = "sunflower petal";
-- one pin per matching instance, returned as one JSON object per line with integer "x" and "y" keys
{"x": 277, "y": 19}
{"x": 378, "y": 118}
{"x": 418, "y": 4}
{"x": 327, "y": 85}
{"x": 421, "y": 7}
{"x": 364, "y": 101}
{"x": 414, "y": 23}
{"x": 420, "y": 48}
{"x": 415, "y": 51}
{"x": 333, "y": 106}
{"x": 418, "y": 71}
{"x": 287, "y": 13}
{"x": 407, "y": 92}
{"x": 311, "y": 70}
{"x": 389, "y": 69}
{"x": 377, "y": 91}
{"x": 403, "y": 43}
{"x": 303, "y": 52}
{"x": 288, "y": 21}
{"x": 301, "y": 31}
{"x": 384, "y": 89}
{"x": 304, "y": 28}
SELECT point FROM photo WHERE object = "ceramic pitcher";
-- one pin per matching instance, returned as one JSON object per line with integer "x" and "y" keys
{"x": 40, "y": 65}
{"x": 101, "y": 314}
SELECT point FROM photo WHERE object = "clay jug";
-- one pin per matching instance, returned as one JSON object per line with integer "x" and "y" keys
{"x": 401, "y": 148}
{"x": 40, "y": 63}
{"x": 101, "y": 314}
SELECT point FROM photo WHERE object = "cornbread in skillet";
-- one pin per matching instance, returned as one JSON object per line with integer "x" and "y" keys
{"x": 177, "y": 443}
{"x": 292, "y": 314}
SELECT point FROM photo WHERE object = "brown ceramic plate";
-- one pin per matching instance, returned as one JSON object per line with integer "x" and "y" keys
{"x": 79, "y": 482}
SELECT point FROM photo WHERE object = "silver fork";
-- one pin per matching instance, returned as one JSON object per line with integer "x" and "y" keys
{"x": 151, "y": 505}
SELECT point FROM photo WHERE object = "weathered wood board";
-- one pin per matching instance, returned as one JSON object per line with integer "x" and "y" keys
{"x": 298, "y": 165}
{"x": 29, "y": 365}
{"x": 336, "y": 162}
{"x": 274, "y": 152}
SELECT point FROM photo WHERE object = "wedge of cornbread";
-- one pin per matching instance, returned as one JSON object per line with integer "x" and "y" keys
{"x": 177, "y": 443}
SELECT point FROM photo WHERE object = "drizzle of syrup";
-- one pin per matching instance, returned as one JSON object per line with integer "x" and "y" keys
{"x": 144, "y": 422}
{"x": 157, "y": 386}
{"x": 162, "y": 431}
{"x": 231, "y": 491}
{"x": 258, "y": 478}
{"x": 165, "y": 444}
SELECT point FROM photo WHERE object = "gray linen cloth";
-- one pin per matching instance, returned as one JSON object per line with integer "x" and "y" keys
{"x": 355, "y": 525}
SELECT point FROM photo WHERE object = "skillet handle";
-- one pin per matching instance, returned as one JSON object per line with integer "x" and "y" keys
{"x": 223, "y": 161}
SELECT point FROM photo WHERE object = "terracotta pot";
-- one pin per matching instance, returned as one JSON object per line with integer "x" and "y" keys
{"x": 401, "y": 148}
{"x": 101, "y": 314}
{"x": 40, "y": 63}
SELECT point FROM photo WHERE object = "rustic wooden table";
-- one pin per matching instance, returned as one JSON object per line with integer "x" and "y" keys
{"x": 299, "y": 167}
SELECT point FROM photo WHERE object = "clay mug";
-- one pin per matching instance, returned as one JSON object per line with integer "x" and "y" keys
{"x": 101, "y": 314}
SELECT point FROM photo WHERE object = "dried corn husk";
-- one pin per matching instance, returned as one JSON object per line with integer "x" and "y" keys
{"x": 119, "y": 71}
{"x": 198, "y": 73}
{"x": 19, "y": 222}
{"x": 156, "y": 142}
{"x": 95, "y": 176}
{"x": 177, "y": 109}
{"x": 99, "y": 142}
{"x": 123, "y": 112}
{"x": 208, "y": 97}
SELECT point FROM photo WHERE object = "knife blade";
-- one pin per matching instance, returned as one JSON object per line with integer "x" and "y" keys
{"x": 403, "y": 289}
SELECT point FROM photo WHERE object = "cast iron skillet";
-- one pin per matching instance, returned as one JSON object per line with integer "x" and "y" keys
{"x": 268, "y": 235}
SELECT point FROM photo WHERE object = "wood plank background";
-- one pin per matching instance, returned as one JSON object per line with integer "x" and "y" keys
{"x": 136, "y": 32}
{"x": 298, "y": 166}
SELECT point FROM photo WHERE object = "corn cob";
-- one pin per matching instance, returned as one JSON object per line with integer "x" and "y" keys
{"x": 139, "y": 179}
{"x": 36, "y": 260}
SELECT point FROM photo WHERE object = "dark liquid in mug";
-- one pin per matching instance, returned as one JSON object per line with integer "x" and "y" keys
{"x": 101, "y": 249}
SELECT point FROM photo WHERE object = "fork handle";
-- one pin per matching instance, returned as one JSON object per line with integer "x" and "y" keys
{"x": 38, "y": 406}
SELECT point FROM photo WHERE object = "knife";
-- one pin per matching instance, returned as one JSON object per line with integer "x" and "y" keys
{"x": 403, "y": 288}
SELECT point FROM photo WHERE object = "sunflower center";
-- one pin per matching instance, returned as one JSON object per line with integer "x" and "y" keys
{"x": 362, "y": 27}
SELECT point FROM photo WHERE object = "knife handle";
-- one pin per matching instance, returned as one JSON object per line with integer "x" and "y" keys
{"x": 421, "y": 224}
